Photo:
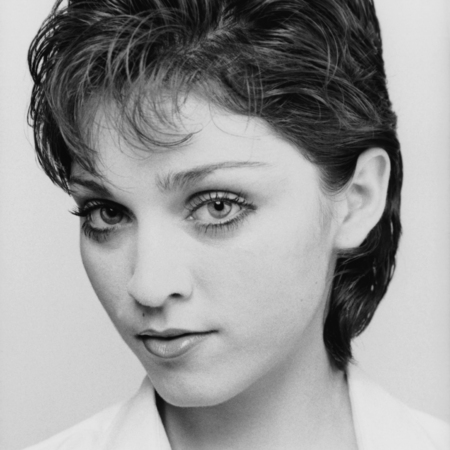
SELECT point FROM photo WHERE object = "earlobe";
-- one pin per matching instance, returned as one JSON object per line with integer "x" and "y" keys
{"x": 364, "y": 199}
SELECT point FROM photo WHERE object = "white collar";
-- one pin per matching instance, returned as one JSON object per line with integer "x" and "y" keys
{"x": 381, "y": 421}
{"x": 138, "y": 425}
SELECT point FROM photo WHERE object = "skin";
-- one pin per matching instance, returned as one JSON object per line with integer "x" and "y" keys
{"x": 263, "y": 378}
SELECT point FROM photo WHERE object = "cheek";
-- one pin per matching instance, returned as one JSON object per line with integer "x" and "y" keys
{"x": 277, "y": 275}
{"x": 106, "y": 271}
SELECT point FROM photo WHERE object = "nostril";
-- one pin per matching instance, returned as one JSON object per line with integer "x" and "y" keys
{"x": 153, "y": 285}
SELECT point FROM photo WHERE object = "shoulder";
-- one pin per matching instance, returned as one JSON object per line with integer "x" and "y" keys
{"x": 384, "y": 422}
{"x": 86, "y": 435}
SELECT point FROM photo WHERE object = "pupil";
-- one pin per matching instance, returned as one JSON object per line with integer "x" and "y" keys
{"x": 219, "y": 206}
{"x": 111, "y": 212}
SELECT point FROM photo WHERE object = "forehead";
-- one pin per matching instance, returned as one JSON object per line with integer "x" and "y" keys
{"x": 196, "y": 129}
{"x": 165, "y": 124}
{"x": 208, "y": 141}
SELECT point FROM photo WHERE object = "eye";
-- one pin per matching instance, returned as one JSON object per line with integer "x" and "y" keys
{"x": 214, "y": 210}
{"x": 101, "y": 218}
{"x": 105, "y": 215}
{"x": 218, "y": 209}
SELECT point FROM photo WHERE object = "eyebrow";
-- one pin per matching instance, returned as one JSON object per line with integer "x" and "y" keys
{"x": 91, "y": 185}
{"x": 179, "y": 180}
{"x": 171, "y": 181}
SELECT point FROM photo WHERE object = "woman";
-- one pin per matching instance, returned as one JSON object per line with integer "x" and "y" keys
{"x": 237, "y": 173}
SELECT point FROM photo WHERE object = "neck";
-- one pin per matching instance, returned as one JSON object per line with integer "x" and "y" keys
{"x": 300, "y": 406}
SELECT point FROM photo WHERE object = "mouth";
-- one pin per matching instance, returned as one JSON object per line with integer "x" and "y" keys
{"x": 171, "y": 343}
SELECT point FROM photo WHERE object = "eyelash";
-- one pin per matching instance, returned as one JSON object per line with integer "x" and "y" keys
{"x": 94, "y": 234}
{"x": 194, "y": 203}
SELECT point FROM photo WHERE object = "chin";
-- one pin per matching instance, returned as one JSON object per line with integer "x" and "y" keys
{"x": 192, "y": 399}
{"x": 196, "y": 391}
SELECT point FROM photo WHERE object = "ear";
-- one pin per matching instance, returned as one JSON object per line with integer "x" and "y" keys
{"x": 363, "y": 201}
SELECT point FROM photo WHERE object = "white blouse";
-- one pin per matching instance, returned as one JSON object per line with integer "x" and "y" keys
{"x": 381, "y": 423}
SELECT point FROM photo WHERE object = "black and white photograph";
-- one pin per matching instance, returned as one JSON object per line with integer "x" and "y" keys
{"x": 225, "y": 225}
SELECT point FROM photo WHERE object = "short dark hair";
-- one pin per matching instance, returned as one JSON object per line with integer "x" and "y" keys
{"x": 312, "y": 69}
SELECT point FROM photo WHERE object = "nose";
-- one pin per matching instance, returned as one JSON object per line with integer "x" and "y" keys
{"x": 160, "y": 269}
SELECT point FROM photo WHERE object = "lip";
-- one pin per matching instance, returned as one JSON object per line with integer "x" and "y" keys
{"x": 171, "y": 343}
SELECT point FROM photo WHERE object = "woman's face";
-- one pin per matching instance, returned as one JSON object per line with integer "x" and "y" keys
{"x": 213, "y": 259}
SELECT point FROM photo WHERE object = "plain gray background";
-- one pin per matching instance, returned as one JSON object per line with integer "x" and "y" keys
{"x": 61, "y": 360}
